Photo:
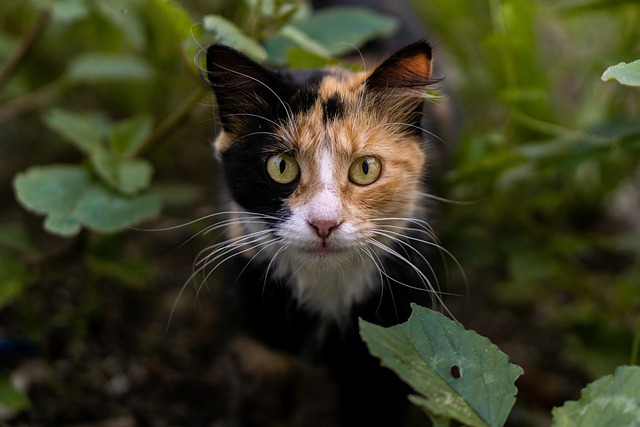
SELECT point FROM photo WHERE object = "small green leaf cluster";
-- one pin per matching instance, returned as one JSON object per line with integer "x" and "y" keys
{"x": 71, "y": 197}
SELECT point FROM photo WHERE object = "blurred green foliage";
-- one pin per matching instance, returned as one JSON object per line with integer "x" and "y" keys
{"x": 549, "y": 155}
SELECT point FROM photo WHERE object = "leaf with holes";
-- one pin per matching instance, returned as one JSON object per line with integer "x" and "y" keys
{"x": 613, "y": 400}
{"x": 457, "y": 373}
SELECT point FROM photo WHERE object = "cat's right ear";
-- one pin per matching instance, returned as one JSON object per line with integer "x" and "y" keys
{"x": 240, "y": 84}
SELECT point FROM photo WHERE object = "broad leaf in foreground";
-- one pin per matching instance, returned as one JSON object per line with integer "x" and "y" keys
{"x": 625, "y": 73}
{"x": 457, "y": 373}
{"x": 613, "y": 400}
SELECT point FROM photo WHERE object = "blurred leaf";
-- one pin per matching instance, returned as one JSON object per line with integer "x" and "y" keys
{"x": 610, "y": 401}
{"x": 129, "y": 176}
{"x": 625, "y": 73}
{"x": 126, "y": 19}
{"x": 65, "y": 11}
{"x": 69, "y": 199}
{"x": 457, "y": 373}
{"x": 343, "y": 29}
{"x": 229, "y": 34}
{"x": 54, "y": 191}
{"x": 84, "y": 130}
{"x": 179, "y": 18}
{"x": 301, "y": 39}
{"x": 14, "y": 236}
{"x": 129, "y": 135}
{"x": 12, "y": 280}
{"x": 12, "y": 400}
{"x": 104, "y": 67}
{"x": 303, "y": 59}
{"x": 133, "y": 272}
{"x": 103, "y": 210}
{"x": 177, "y": 195}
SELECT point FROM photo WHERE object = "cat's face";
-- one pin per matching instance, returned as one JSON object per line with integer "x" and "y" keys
{"x": 326, "y": 165}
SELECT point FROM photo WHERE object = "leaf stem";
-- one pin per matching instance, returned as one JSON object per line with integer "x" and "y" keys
{"x": 635, "y": 347}
{"x": 32, "y": 100}
{"x": 171, "y": 121}
{"x": 25, "y": 47}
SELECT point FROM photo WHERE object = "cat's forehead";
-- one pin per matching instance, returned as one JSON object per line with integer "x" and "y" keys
{"x": 337, "y": 115}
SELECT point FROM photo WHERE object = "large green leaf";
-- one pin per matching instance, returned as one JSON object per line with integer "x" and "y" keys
{"x": 341, "y": 29}
{"x": 625, "y": 73}
{"x": 613, "y": 400}
{"x": 457, "y": 373}
{"x": 69, "y": 198}
{"x": 105, "y": 67}
{"x": 228, "y": 33}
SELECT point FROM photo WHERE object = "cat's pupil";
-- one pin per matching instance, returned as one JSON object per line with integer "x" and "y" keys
{"x": 365, "y": 167}
{"x": 283, "y": 166}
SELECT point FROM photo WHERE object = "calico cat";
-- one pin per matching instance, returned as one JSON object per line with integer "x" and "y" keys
{"x": 325, "y": 172}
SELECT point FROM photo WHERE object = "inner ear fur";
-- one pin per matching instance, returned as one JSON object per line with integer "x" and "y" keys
{"x": 407, "y": 71}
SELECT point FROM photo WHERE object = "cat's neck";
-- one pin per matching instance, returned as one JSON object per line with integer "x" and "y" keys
{"x": 330, "y": 291}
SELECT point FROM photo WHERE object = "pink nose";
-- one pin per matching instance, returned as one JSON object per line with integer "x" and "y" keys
{"x": 323, "y": 227}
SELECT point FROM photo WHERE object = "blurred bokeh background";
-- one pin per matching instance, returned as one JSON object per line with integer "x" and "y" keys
{"x": 105, "y": 134}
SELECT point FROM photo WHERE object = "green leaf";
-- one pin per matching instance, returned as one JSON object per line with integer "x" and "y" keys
{"x": 70, "y": 199}
{"x": 613, "y": 400}
{"x": 179, "y": 18}
{"x": 128, "y": 176}
{"x": 301, "y": 39}
{"x": 129, "y": 135}
{"x": 103, "y": 67}
{"x": 457, "y": 373}
{"x": 228, "y": 33}
{"x": 84, "y": 130}
{"x": 12, "y": 400}
{"x": 342, "y": 29}
{"x": 625, "y": 73}
{"x": 105, "y": 211}
{"x": 126, "y": 19}
{"x": 303, "y": 59}
{"x": 54, "y": 191}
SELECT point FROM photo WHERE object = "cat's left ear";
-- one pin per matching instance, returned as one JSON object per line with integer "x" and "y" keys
{"x": 406, "y": 73}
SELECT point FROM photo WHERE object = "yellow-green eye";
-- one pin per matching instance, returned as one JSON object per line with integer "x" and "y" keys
{"x": 365, "y": 170}
{"x": 283, "y": 168}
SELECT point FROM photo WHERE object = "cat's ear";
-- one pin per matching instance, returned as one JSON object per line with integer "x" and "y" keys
{"x": 239, "y": 83}
{"x": 405, "y": 74}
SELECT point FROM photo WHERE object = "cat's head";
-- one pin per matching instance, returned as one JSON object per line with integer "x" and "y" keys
{"x": 322, "y": 161}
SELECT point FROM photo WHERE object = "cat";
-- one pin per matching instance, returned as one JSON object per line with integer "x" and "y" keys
{"x": 325, "y": 172}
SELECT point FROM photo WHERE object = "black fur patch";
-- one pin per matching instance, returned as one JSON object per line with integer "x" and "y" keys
{"x": 333, "y": 108}
{"x": 244, "y": 164}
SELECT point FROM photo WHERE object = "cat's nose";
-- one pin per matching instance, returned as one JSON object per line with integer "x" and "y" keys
{"x": 323, "y": 227}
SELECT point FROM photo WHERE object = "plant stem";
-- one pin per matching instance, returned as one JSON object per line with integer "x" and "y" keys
{"x": 171, "y": 121}
{"x": 635, "y": 347}
{"x": 25, "y": 47}
{"x": 32, "y": 100}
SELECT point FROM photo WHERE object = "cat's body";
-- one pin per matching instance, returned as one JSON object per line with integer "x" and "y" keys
{"x": 325, "y": 172}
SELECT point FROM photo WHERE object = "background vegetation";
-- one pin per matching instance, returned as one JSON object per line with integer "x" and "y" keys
{"x": 102, "y": 98}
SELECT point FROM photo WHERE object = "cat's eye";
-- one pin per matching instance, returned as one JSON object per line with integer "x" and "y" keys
{"x": 365, "y": 170}
{"x": 283, "y": 168}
